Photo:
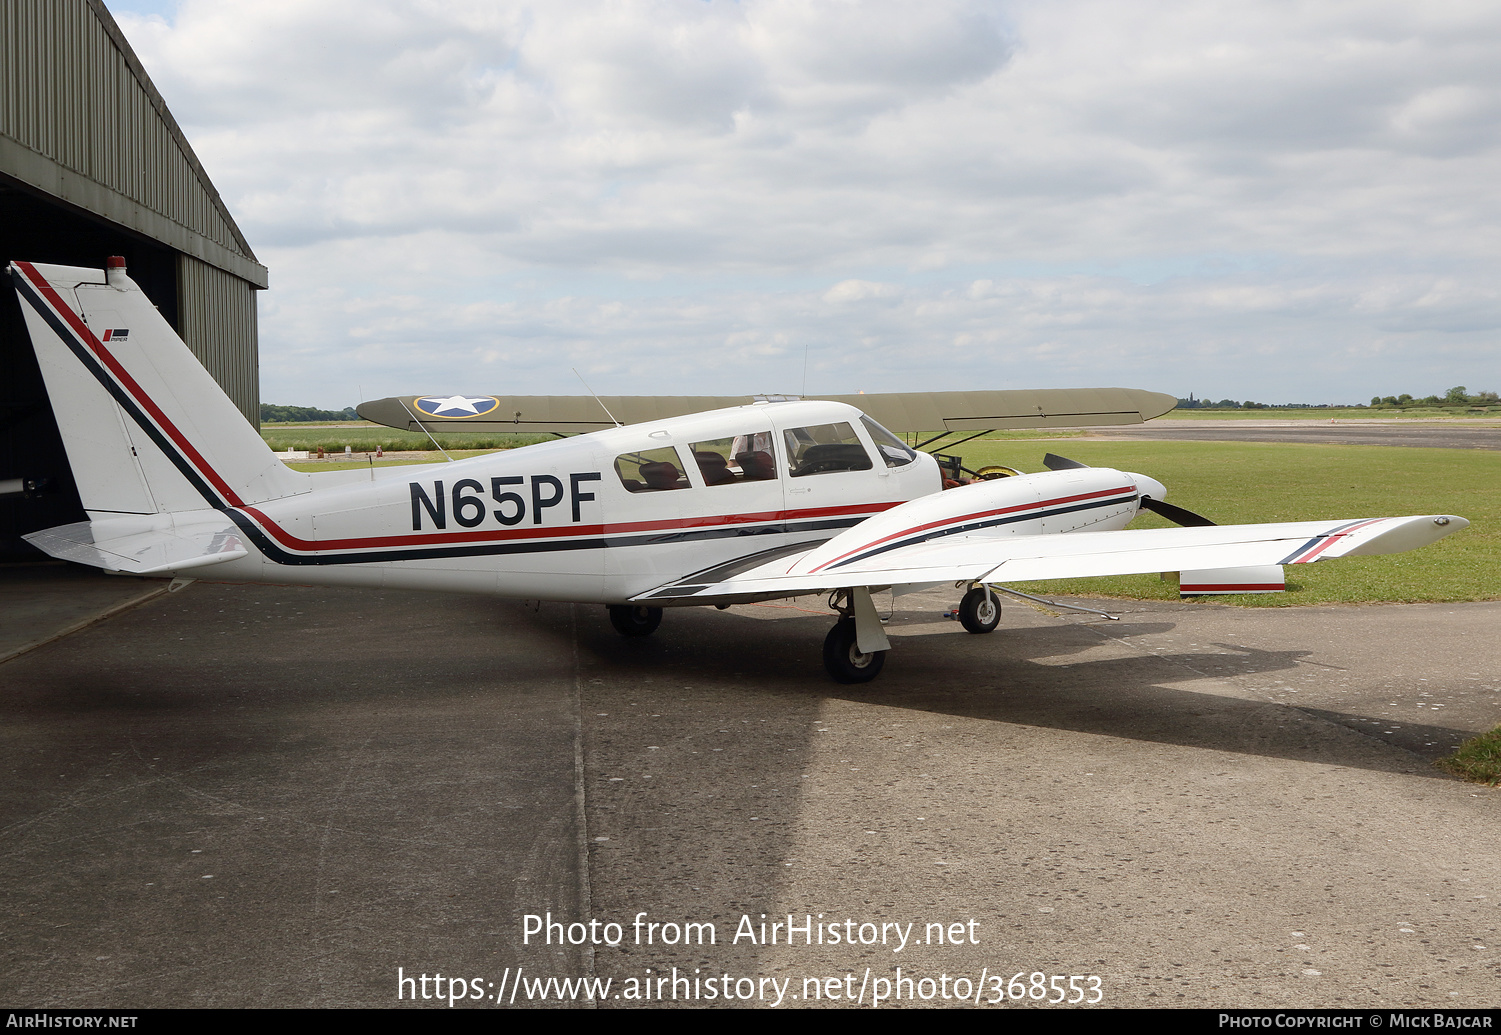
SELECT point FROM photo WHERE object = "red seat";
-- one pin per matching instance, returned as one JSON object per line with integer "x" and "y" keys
{"x": 715, "y": 468}
{"x": 758, "y": 466}
{"x": 662, "y": 475}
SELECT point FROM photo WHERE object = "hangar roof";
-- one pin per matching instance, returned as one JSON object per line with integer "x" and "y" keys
{"x": 81, "y": 121}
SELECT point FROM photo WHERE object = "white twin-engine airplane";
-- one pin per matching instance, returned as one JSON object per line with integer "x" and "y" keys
{"x": 734, "y": 505}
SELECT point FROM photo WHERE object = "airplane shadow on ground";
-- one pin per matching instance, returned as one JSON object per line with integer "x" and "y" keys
{"x": 1028, "y": 677}
{"x": 996, "y": 678}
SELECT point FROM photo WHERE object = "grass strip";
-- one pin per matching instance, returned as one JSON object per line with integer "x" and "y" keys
{"x": 367, "y": 438}
{"x": 1477, "y": 760}
{"x": 1251, "y": 482}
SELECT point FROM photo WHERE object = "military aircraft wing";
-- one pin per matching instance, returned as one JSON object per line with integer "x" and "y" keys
{"x": 899, "y": 411}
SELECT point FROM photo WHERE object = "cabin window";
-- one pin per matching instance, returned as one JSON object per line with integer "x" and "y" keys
{"x": 744, "y": 458}
{"x": 824, "y": 449}
{"x": 893, "y": 450}
{"x": 651, "y": 470}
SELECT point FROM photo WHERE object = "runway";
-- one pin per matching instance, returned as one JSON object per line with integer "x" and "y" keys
{"x": 1456, "y": 434}
{"x": 259, "y": 796}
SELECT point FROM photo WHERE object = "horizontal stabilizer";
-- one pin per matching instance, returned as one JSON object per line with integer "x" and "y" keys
{"x": 124, "y": 545}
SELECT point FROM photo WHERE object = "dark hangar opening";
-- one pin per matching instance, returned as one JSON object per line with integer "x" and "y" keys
{"x": 92, "y": 164}
{"x": 36, "y": 229}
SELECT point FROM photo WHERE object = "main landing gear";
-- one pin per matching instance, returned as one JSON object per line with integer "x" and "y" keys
{"x": 855, "y": 649}
{"x": 980, "y": 611}
{"x": 630, "y": 620}
{"x": 844, "y": 660}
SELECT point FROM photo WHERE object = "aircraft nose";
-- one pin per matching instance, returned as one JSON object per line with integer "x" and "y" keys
{"x": 1149, "y": 486}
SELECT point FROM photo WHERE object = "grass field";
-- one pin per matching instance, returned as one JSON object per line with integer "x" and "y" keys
{"x": 1237, "y": 483}
{"x": 364, "y": 437}
{"x": 431, "y": 457}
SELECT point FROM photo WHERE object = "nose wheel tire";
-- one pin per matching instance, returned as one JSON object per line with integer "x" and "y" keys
{"x": 635, "y": 621}
{"x": 980, "y": 611}
{"x": 843, "y": 659}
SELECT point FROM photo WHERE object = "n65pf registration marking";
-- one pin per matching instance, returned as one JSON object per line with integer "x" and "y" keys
{"x": 515, "y": 497}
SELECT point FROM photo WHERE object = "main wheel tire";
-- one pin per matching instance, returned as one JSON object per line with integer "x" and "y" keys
{"x": 980, "y": 611}
{"x": 843, "y": 659}
{"x": 630, "y": 620}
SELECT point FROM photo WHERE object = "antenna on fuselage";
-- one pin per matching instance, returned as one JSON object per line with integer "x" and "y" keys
{"x": 597, "y": 399}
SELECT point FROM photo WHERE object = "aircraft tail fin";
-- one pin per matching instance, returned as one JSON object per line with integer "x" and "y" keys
{"x": 147, "y": 430}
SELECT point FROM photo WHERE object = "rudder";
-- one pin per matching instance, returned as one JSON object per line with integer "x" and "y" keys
{"x": 147, "y": 430}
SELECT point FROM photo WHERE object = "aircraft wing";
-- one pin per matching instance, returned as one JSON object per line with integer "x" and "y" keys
{"x": 900, "y": 412}
{"x": 143, "y": 545}
{"x": 850, "y": 560}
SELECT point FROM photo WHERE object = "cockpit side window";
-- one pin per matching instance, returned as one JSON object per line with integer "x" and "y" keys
{"x": 651, "y": 470}
{"x": 743, "y": 458}
{"x": 824, "y": 449}
{"x": 893, "y": 450}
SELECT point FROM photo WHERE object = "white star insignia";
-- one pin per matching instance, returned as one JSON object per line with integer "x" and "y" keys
{"x": 453, "y": 404}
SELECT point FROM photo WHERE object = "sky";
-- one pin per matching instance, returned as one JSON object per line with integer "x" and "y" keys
{"x": 1285, "y": 202}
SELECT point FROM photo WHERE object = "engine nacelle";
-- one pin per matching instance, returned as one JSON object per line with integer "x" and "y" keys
{"x": 1095, "y": 499}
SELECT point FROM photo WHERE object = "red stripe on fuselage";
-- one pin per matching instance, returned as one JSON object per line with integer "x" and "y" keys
{"x": 292, "y": 542}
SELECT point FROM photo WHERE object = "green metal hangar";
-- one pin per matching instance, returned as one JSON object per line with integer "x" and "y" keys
{"x": 92, "y": 164}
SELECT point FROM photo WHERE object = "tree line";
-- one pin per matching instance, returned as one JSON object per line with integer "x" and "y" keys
{"x": 271, "y": 413}
{"x": 1456, "y": 396}
{"x": 1235, "y": 404}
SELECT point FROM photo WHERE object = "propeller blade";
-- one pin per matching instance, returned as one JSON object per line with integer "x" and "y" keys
{"x": 1054, "y": 462}
{"x": 1177, "y": 515}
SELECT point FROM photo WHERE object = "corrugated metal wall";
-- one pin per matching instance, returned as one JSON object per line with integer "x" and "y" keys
{"x": 68, "y": 92}
{"x": 80, "y": 121}
{"x": 217, "y": 319}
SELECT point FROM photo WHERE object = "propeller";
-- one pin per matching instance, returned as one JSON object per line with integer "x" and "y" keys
{"x": 1177, "y": 515}
{"x": 1054, "y": 462}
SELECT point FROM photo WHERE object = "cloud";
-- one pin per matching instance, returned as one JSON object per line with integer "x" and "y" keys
{"x": 1038, "y": 193}
{"x": 858, "y": 291}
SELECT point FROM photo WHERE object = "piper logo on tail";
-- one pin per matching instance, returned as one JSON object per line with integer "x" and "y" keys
{"x": 116, "y": 335}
